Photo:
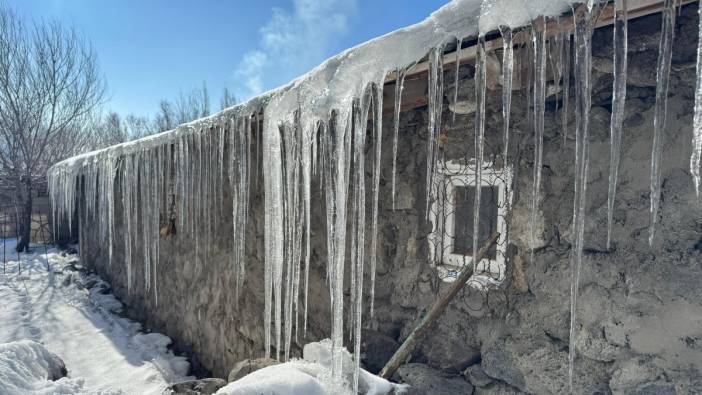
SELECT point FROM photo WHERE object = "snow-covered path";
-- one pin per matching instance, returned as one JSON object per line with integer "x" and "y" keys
{"x": 69, "y": 314}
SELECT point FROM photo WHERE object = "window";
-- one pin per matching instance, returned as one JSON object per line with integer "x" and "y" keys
{"x": 451, "y": 241}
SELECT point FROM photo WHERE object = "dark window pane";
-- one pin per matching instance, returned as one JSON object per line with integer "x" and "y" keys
{"x": 463, "y": 218}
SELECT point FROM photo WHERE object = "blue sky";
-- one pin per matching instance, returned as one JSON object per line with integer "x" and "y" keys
{"x": 154, "y": 49}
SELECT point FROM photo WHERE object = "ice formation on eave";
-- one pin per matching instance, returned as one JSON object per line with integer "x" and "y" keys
{"x": 315, "y": 126}
{"x": 519, "y": 13}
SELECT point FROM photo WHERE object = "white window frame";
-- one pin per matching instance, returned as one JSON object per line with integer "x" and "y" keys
{"x": 449, "y": 176}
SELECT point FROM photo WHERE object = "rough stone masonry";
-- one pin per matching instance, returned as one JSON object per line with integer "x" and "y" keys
{"x": 640, "y": 311}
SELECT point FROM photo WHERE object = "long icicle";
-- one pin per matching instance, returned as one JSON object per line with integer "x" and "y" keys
{"x": 358, "y": 255}
{"x": 457, "y": 69}
{"x": 378, "y": 131}
{"x": 618, "y": 101}
{"x": 338, "y": 157}
{"x": 399, "y": 87}
{"x": 697, "y": 128}
{"x": 567, "y": 56}
{"x": 273, "y": 233}
{"x": 665, "y": 53}
{"x": 585, "y": 22}
{"x": 435, "y": 102}
{"x": 539, "y": 37}
{"x": 507, "y": 84}
{"x": 308, "y": 150}
{"x": 480, "y": 86}
{"x": 507, "y": 77}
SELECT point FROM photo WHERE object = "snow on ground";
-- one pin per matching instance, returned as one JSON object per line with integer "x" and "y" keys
{"x": 310, "y": 376}
{"x": 70, "y": 315}
{"x": 27, "y": 366}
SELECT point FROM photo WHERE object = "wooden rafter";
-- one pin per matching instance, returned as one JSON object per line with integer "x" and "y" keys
{"x": 637, "y": 9}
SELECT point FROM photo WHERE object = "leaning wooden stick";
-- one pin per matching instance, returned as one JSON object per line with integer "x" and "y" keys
{"x": 436, "y": 310}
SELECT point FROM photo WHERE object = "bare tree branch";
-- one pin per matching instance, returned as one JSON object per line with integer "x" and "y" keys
{"x": 50, "y": 84}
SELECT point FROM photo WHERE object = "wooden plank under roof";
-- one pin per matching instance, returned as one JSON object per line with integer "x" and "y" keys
{"x": 414, "y": 94}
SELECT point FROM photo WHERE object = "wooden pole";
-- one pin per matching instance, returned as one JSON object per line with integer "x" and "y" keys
{"x": 436, "y": 310}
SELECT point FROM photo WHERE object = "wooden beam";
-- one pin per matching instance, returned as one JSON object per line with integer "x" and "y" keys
{"x": 434, "y": 313}
{"x": 414, "y": 95}
{"x": 637, "y": 9}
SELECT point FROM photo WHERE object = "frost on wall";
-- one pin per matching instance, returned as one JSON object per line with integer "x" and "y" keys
{"x": 318, "y": 126}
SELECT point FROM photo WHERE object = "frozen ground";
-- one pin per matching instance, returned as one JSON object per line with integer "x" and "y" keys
{"x": 72, "y": 316}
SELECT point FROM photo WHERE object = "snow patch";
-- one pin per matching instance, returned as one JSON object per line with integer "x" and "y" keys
{"x": 71, "y": 314}
{"x": 28, "y": 367}
{"x": 310, "y": 376}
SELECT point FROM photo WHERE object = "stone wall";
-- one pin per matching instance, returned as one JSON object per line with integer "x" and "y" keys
{"x": 640, "y": 311}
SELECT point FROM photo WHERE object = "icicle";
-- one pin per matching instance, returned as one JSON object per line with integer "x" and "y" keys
{"x": 259, "y": 147}
{"x": 527, "y": 65}
{"x": 180, "y": 181}
{"x": 287, "y": 138}
{"x": 350, "y": 321}
{"x": 327, "y": 140}
{"x": 291, "y": 138}
{"x": 665, "y": 54}
{"x": 156, "y": 183}
{"x": 480, "y": 86}
{"x": 697, "y": 128}
{"x": 399, "y": 87}
{"x": 238, "y": 176}
{"x": 244, "y": 196}
{"x": 457, "y": 68}
{"x": 359, "y": 221}
{"x": 207, "y": 189}
{"x": 507, "y": 77}
{"x": 435, "y": 102}
{"x": 585, "y": 22}
{"x": 220, "y": 165}
{"x": 273, "y": 231}
{"x": 126, "y": 183}
{"x": 197, "y": 201}
{"x": 144, "y": 207}
{"x": 232, "y": 136}
{"x": 308, "y": 150}
{"x": 107, "y": 192}
{"x": 378, "y": 132}
{"x": 567, "y": 56}
{"x": 337, "y": 157}
{"x": 539, "y": 38}
{"x": 618, "y": 100}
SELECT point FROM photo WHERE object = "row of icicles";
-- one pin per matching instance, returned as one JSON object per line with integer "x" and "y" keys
{"x": 192, "y": 170}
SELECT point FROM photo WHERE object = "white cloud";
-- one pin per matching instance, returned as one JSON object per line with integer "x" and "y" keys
{"x": 250, "y": 71}
{"x": 293, "y": 42}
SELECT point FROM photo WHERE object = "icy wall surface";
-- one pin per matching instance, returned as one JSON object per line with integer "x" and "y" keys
{"x": 303, "y": 149}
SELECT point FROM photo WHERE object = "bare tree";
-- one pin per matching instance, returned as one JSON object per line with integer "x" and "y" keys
{"x": 227, "y": 99}
{"x": 137, "y": 127}
{"x": 112, "y": 129}
{"x": 50, "y": 83}
{"x": 109, "y": 131}
{"x": 165, "y": 118}
{"x": 187, "y": 107}
{"x": 205, "y": 110}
